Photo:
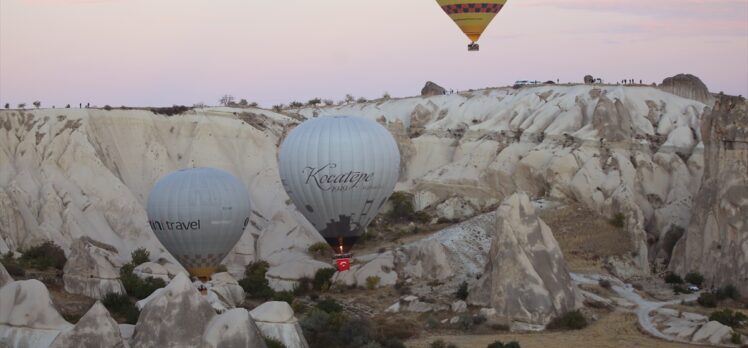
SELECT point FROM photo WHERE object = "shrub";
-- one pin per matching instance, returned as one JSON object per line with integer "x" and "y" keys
{"x": 313, "y": 102}
{"x": 7, "y": 105}
{"x": 44, "y": 256}
{"x": 37, "y": 104}
{"x": 254, "y": 282}
{"x": 21, "y": 105}
{"x": 672, "y": 278}
{"x": 296, "y": 104}
{"x": 361, "y": 100}
{"x": 618, "y": 220}
{"x": 284, "y": 296}
{"x": 605, "y": 284}
{"x": 174, "y": 110}
{"x": 707, "y": 299}
{"x": 462, "y": 291}
{"x": 736, "y": 338}
{"x": 729, "y": 318}
{"x": 323, "y": 279}
{"x": 372, "y": 282}
{"x": 278, "y": 107}
{"x": 121, "y": 307}
{"x": 438, "y": 344}
{"x": 694, "y": 278}
{"x": 680, "y": 289}
{"x": 402, "y": 206}
{"x": 499, "y": 344}
{"x": 321, "y": 249}
{"x": 303, "y": 287}
{"x": 272, "y": 342}
{"x": 728, "y": 291}
{"x": 140, "y": 256}
{"x": 573, "y": 320}
{"x": 221, "y": 268}
{"x": 329, "y": 306}
{"x": 328, "y": 102}
{"x": 107, "y": 107}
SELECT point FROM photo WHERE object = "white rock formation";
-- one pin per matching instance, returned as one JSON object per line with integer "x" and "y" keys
{"x": 177, "y": 317}
{"x": 716, "y": 240}
{"x": 526, "y": 278}
{"x": 234, "y": 328}
{"x": 5, "y": 277}
{"x": 379, "y": 266}
{"x": 95, "y": 329}
{"x": 276, "y": 319}
{"x": 713, "y": 332}
{"x": 228, "y": 290}
{"x": 92, "y": 269}
{"x": 286, "y": 276}
{"x": 27, "y": 316}
{"x": 152, "y": 270}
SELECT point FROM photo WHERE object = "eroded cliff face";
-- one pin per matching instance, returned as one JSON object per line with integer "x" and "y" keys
{"x": 68, "y": 173}
{"x": 716, "y": 241}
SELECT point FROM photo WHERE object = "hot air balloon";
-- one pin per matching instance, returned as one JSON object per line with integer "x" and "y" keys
{"x": 339, "y": 171}
{"x": 198, "y": 214}
{"x": 472, "y": 16}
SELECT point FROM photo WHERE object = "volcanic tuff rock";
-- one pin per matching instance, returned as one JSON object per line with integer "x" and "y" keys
{"x": 380, "y": 266}
{"x": 95, "y": 329}
{"x": 687, "y": 86}
{"x": 276, "y": 319}
{"x": 27, "y": 316}
{"x": 526, "y": 278}
{"x": 431, "y": 89}
{"x": 92, "y": 269}
{"x": 716, "y": 240}
{"x": 5, "y": 277}
{"x": 234, "y": 328}
{"x": 177, "y": 317}
{"x": 228, "y": 290}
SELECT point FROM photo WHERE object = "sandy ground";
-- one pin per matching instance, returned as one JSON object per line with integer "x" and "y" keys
{"x": 616, "y": 330}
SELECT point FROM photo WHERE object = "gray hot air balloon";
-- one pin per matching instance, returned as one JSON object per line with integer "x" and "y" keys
{"x": 339, "y": 171}
{"x": 198, "y": 215}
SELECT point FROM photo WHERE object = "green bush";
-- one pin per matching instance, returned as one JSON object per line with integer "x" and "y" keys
{"x": 618, "y": 220}
{"x": 728, "y": 291}
{"x": 254, "y": 282}
{"x": 137, "y": 287}
{"x": 672, "y": 278}
{"x": 708, "y": 299}
{"x": 438, "y": 344}
{"x": 329, "y": 305}
{"x": 320, "y": 249}
{"x": 284, "y": 296}
{"x": 372, "y": 282}
{"x": 140, "y": 256}
{"x": 303, "y": 287}
{"x": 402, "y": 206}
{"x": 694, "y": 278}
{"x": 43, "y": 256}
{"x": 462, "y": 292}
{"x": 680, "y": 289}
{"x": 605, "y": 284}
{"x": 273, "y": 343}
{"x": 736, "y": 338}
{"x": 729, "y": 318}
{"x": 573, "y": 320}
{"x": 499, "y": 344}
{"x": 323, "y": 278}
{"x": 121, "y": 307}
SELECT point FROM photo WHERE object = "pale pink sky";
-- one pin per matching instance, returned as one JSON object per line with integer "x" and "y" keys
{"x": 164, "y": 52}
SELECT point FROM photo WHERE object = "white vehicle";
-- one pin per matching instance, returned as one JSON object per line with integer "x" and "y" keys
{"x": 693, "y": 288}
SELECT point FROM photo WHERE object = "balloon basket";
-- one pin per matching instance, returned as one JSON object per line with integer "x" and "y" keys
{"x": 343, "y": 262}
{"x": 473, "y": 47}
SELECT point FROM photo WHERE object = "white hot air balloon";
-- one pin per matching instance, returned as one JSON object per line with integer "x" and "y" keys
{"x": 339, "y": 171}
{"x": 198, "y": 214}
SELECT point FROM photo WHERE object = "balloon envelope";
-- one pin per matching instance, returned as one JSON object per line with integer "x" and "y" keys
{"x": 339, "y": 171}
{"x": 198, "y": 215}
{"x": 472, "y": 16}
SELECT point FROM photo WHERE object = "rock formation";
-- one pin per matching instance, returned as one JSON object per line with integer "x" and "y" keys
{"x": 716, "y": 240}
{"x": 276, "y": 319}
{"x": 234, "y": 328}
{"x": 526, "y": 278}
{"x": 152, "y": 270}
{"x": 5, "y": 277}
{"x": 95, "y": 329}
{"x": 286, "y": 276}
{"x": 379, "y": 266}
{"x": 92, "y": 269}
{"x": 177, "y": 317}
{"x": 431, "y": 89}
{"x": 27, "y": 316}
{"x": 228, "y": 290}
{"x": 687, "y": 86}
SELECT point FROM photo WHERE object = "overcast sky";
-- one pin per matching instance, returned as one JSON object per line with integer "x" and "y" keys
{"x": 164, "y": 52}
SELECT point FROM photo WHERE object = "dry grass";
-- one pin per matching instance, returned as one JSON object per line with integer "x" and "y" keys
{"x": 586, "y": 240}
{"x": 613, "y": 331}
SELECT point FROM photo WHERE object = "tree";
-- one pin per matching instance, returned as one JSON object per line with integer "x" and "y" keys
{"x": 694, "y": 278}
{"x": 386, "y": 96}
{"x": 67, "y": 106}
{"x": 7, "y": 105}
{"x": 361, "y": 100}
{"x": 227, "y": 100}
{"x": 243, "y": 102}
{"x": 314, "y": 102}
{"x": 349, "y": 98}
{"x": 21, "y": 105}
{"x": 37, "y": 104}
{"x": 253, "y": 104}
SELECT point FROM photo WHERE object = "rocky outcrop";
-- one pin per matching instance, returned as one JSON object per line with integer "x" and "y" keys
{"x": 379, "y": 266}
{"x": 526, "y": 278}
{"x": 716, "y": 240}
{"x": 286, "y": 276}
{"x": 234, "y": 328}
{"x": 276, "y": 320}
{"x": 713, "y": 332}
{"x": 177, "y": 317}
{"x": 95, "y": 329}
{"x": 431, "y": 89}
{"x": 92, "y": 269}
{"x": 152, "y": 270}
{"x": 228, "y": 290}
{"x": 5, "y": 277}
{"x": 27, "y": 316}
{"x": 687, "y": 86}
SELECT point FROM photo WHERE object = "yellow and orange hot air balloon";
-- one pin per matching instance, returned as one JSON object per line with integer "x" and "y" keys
{"x": 472, "y": 16}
